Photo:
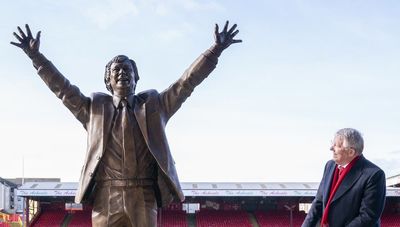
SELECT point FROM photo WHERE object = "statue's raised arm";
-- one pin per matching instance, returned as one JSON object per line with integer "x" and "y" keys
{"x": 224, "y": 38}
{"x": 174, "y": 96}
{"x": 70, "y": 95}
{"x": 27, "y": 43}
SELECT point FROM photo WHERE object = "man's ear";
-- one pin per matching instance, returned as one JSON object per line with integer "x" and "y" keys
{"x": 352, "y": 152}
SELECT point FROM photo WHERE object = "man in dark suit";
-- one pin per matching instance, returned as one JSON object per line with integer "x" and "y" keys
{"x": 128, "y": 168}
{"x": 352, "y": 190}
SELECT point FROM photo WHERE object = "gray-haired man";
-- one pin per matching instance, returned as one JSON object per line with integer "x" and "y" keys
{"x": 352, "y": 190}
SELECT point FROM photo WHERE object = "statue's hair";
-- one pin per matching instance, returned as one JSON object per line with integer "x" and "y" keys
{"x": 118, "y": 59}
{"x": 351, "y": 139}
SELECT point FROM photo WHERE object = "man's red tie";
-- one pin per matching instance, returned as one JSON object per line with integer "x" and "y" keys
{"x": 341, "y": 168}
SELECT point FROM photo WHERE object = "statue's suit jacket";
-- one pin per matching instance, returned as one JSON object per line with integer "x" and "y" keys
{"x": 152, "y": 111}
{"x": 359, "y": 200}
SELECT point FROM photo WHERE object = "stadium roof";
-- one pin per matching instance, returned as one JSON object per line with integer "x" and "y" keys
{"x": 393, "y": 181}
{"x": 20, "y": 181}
{"x": 248, "y": 186}
{"x": 49, "y": 186}
{"x": 201, "y": 189}
{"x": 249, "y": 189}
{"x": 7, "y": 183}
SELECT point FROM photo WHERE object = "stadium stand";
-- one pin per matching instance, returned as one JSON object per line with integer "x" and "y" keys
{"x": 391, "y": 215}
{"x": 81, "y": 219}
{"x": 204, "y": 218}
{"x": 50, "y": 218}
{"x": 207, "y": 204}
{"x": 51, "y": 215}
{"x": 390, "y": 220}
{"x": 221, "y": 218}
{"x": 278, "y": 218}
{"x": 172, "y": 218}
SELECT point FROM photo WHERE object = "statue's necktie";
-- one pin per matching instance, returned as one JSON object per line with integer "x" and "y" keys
{"x": 128, "y": 143}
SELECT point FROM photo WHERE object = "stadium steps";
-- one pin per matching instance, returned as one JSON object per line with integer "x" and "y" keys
{"x": 253, "y": 220}
{"x": 191, "y": 219}
{"x": 66, "y": 220}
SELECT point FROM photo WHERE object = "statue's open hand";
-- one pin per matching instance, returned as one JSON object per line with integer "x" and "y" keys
{"x": 225, "y": 38}
{"x": 27, "y": 42}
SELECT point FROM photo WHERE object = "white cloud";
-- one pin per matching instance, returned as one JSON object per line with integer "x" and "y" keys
{"x": 172, "y": 35}
{"x": 194, "y": 5}
{"x": 164, "y": 8}
{"x": 106, "y": 13}
{"x": 366, "y": 32}
{"x": 390, "y": 163}
{"x": 395, "y": 152}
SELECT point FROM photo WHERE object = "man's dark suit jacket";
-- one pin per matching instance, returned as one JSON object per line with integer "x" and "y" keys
{"x": 359, "y": 200}
{"x": 152, "y": 111}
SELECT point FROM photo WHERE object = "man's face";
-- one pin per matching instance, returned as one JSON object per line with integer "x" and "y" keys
{"x": 342, "y": 155}
{"x": 122, "y": 78}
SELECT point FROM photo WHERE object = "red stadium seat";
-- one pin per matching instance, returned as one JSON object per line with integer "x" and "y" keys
{"x": 172, "y": 218}
{"x": 390, "y": 219}
{"x": 50, "y": 218}
{"x": 222, "y": 218}
{"x": 81, "y": 219}
{"x": 278, "y": 218}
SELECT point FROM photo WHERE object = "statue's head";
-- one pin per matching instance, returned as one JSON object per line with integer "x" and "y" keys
{"x": 121, "y": 76}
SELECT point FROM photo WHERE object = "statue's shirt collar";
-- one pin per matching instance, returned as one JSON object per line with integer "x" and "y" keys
{"x": 130, "y": 98}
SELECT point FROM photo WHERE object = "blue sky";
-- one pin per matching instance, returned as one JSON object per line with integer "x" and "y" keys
{"x": 267, "y": 113}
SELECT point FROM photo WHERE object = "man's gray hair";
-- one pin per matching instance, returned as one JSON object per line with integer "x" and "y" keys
{"x": 351, "y": 139}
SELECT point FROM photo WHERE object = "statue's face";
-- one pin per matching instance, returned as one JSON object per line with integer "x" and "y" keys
{"x": 122, "y": 78}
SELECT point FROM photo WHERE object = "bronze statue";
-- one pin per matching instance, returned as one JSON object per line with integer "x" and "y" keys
{"x": 128, "y": 170}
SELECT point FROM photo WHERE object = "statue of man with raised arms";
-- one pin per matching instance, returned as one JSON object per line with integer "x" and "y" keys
{"x": 128, "y": 170}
